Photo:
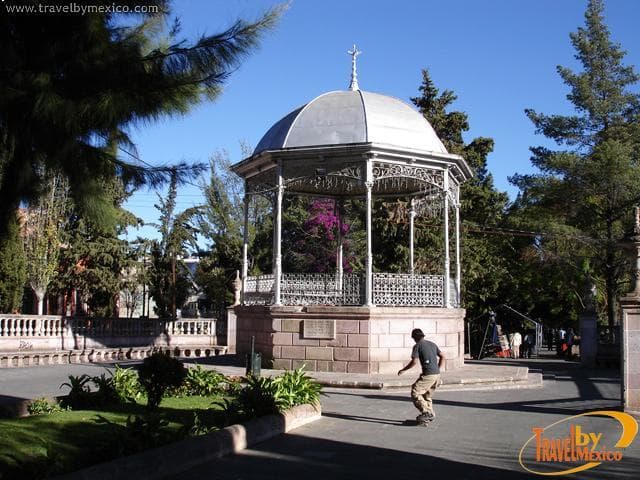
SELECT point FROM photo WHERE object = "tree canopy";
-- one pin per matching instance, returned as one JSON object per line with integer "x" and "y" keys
{"x": 587, "y": 187}
{"x": 71, "y": 85}
{"x": 484, "y": 266}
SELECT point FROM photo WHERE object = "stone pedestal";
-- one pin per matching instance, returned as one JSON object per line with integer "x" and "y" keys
{"x": 630, "y": 355}
{"x": 588, "y": 339}
{"x": 231, "y": 330}
{"x": 347, "y": 339}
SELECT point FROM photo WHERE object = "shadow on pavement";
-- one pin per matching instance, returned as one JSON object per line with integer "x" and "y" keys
{"x": 292, "y": 456}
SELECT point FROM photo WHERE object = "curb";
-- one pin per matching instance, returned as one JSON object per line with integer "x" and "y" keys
{"x": 191, "y": 452}
{"x": 520, "y": 379}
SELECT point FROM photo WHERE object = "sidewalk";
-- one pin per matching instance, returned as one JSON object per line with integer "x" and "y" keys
{"x": 471, "y": 376}
{"x": 19, "y": 384}
{"x": 367, "y": 433}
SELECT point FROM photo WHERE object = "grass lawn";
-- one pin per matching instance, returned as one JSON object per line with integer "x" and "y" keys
{"x": 37, "y": 446}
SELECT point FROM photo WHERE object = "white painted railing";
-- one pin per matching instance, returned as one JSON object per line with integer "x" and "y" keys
{"x": 37, "y": 332}
{"x": 30, "y": 325}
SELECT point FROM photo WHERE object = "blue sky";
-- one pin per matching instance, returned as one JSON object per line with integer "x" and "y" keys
{"x": 498, "y": 56}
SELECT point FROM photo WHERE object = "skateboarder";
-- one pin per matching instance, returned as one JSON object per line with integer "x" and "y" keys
{"x": 431, "y": 359}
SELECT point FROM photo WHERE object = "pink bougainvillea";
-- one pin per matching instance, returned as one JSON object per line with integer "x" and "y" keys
{"x": 321, "y": 228}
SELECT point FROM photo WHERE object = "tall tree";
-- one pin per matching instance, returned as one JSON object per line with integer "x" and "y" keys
{"x": 92, "y": 259}
{"x": 483, "y": 206}
{"x": 169, "y": 278}
{"x": 590, "y": 185}
{"x": 44, "y": 222}
{"x": 71, "y": 85}
{"x": 12, "y": 269}
{"x": 221, "y": 225}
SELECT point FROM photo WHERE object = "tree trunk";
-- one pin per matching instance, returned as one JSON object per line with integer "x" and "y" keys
{"x": 610, "y": 276}
{"x": 39, "y": 293}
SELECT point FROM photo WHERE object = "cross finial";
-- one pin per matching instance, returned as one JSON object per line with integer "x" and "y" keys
{"x": 354, "y": 74}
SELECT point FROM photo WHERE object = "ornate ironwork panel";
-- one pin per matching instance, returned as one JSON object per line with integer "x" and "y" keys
{"x": 430, "y": 206}
{"x": 262, "y": 184}
{"x": 326, "y": 184}
{"x": 382, "y": 171}
{"x": 259, "y": 290}
{"x": 326, "y": 289}
{"x": 402, "y": 289}
{"x": 454, "y": 193}
{"x": 321, "y": 289}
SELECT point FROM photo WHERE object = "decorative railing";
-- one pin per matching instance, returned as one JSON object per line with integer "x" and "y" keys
{"x": 328, "y": 289}
{"x": 31, "y": 325}
{"x": 133, "y": 327}
{"x": 37, "y": 332}
{"x": 321, "y": 289}
{"x": 259, "y": 290}
{"x": 406, "y": 289}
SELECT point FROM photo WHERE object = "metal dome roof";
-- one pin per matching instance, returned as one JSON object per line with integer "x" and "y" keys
{"x": 353, "y": 116}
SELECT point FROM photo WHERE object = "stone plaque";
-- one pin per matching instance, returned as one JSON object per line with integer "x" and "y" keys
{"x": 322, "y": 329}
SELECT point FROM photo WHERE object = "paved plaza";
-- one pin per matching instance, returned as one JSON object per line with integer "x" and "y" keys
{"x": 370, "y": 433}
{"x": 477, "y": 434}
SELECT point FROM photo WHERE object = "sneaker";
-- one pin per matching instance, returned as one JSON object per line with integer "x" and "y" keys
{"x": 424, "y": 418}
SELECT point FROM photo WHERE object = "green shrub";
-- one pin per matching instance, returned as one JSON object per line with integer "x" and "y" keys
{"x": 42, "y": 406}
{"x": 79, "y": 396}
{"x": 198, "y": 426}
{"x": 269, "y": 395}
{"x": 203, "y": 382}
{"x": 126, "y": 384}
{"x": 294, "y": 387}
{"x": 157, "y": 374}
{"x": 259, "y": 397}
{"x": 140, "y": 432}
{"x": 105, "y": 393}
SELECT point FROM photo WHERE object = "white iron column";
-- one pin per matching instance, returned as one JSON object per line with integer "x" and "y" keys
{"x": 412, "y": 216}
{"x": 245, "y": 244}
{"x": 369, "y": 263}
{"x": 458, "y": 265}
{"x": 277, "y": 273}
{"x": 338, "y": 213}
{"x": 447, "y": 293}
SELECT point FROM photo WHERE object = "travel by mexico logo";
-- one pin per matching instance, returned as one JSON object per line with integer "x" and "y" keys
{"x": 578, "y": 443}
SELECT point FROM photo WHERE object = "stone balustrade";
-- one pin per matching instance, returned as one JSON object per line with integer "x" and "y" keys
{"x": 53, "y": 332}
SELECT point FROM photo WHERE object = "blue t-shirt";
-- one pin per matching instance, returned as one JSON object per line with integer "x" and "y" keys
{"x": 427, "y": 352}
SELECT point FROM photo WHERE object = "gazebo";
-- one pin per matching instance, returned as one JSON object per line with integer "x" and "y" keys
{"x": 344, "y": 145}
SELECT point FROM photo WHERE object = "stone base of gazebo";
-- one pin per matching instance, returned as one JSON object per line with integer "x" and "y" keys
{"x": 347, "y": 339}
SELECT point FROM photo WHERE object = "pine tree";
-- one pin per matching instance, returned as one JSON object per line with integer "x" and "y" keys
{"x": 590, "y": 185}
{"x": 483, "y": 266}
{"x": 169, "y": 279}
{"x": 71, "y": 85}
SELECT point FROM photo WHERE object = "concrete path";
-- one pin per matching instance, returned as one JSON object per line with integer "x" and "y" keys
{"x": 44, "y": 381}
{"x": 370, "y": 433}
{"x": 476, "y": 435}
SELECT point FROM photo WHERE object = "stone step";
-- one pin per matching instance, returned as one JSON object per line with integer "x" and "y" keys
{"x": 533, "y": 380}
{"x": 463, "y": 379}
{"x": 101, "y": 355}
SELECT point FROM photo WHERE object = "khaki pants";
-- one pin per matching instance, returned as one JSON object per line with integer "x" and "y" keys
{"x": 422, "y": 391}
